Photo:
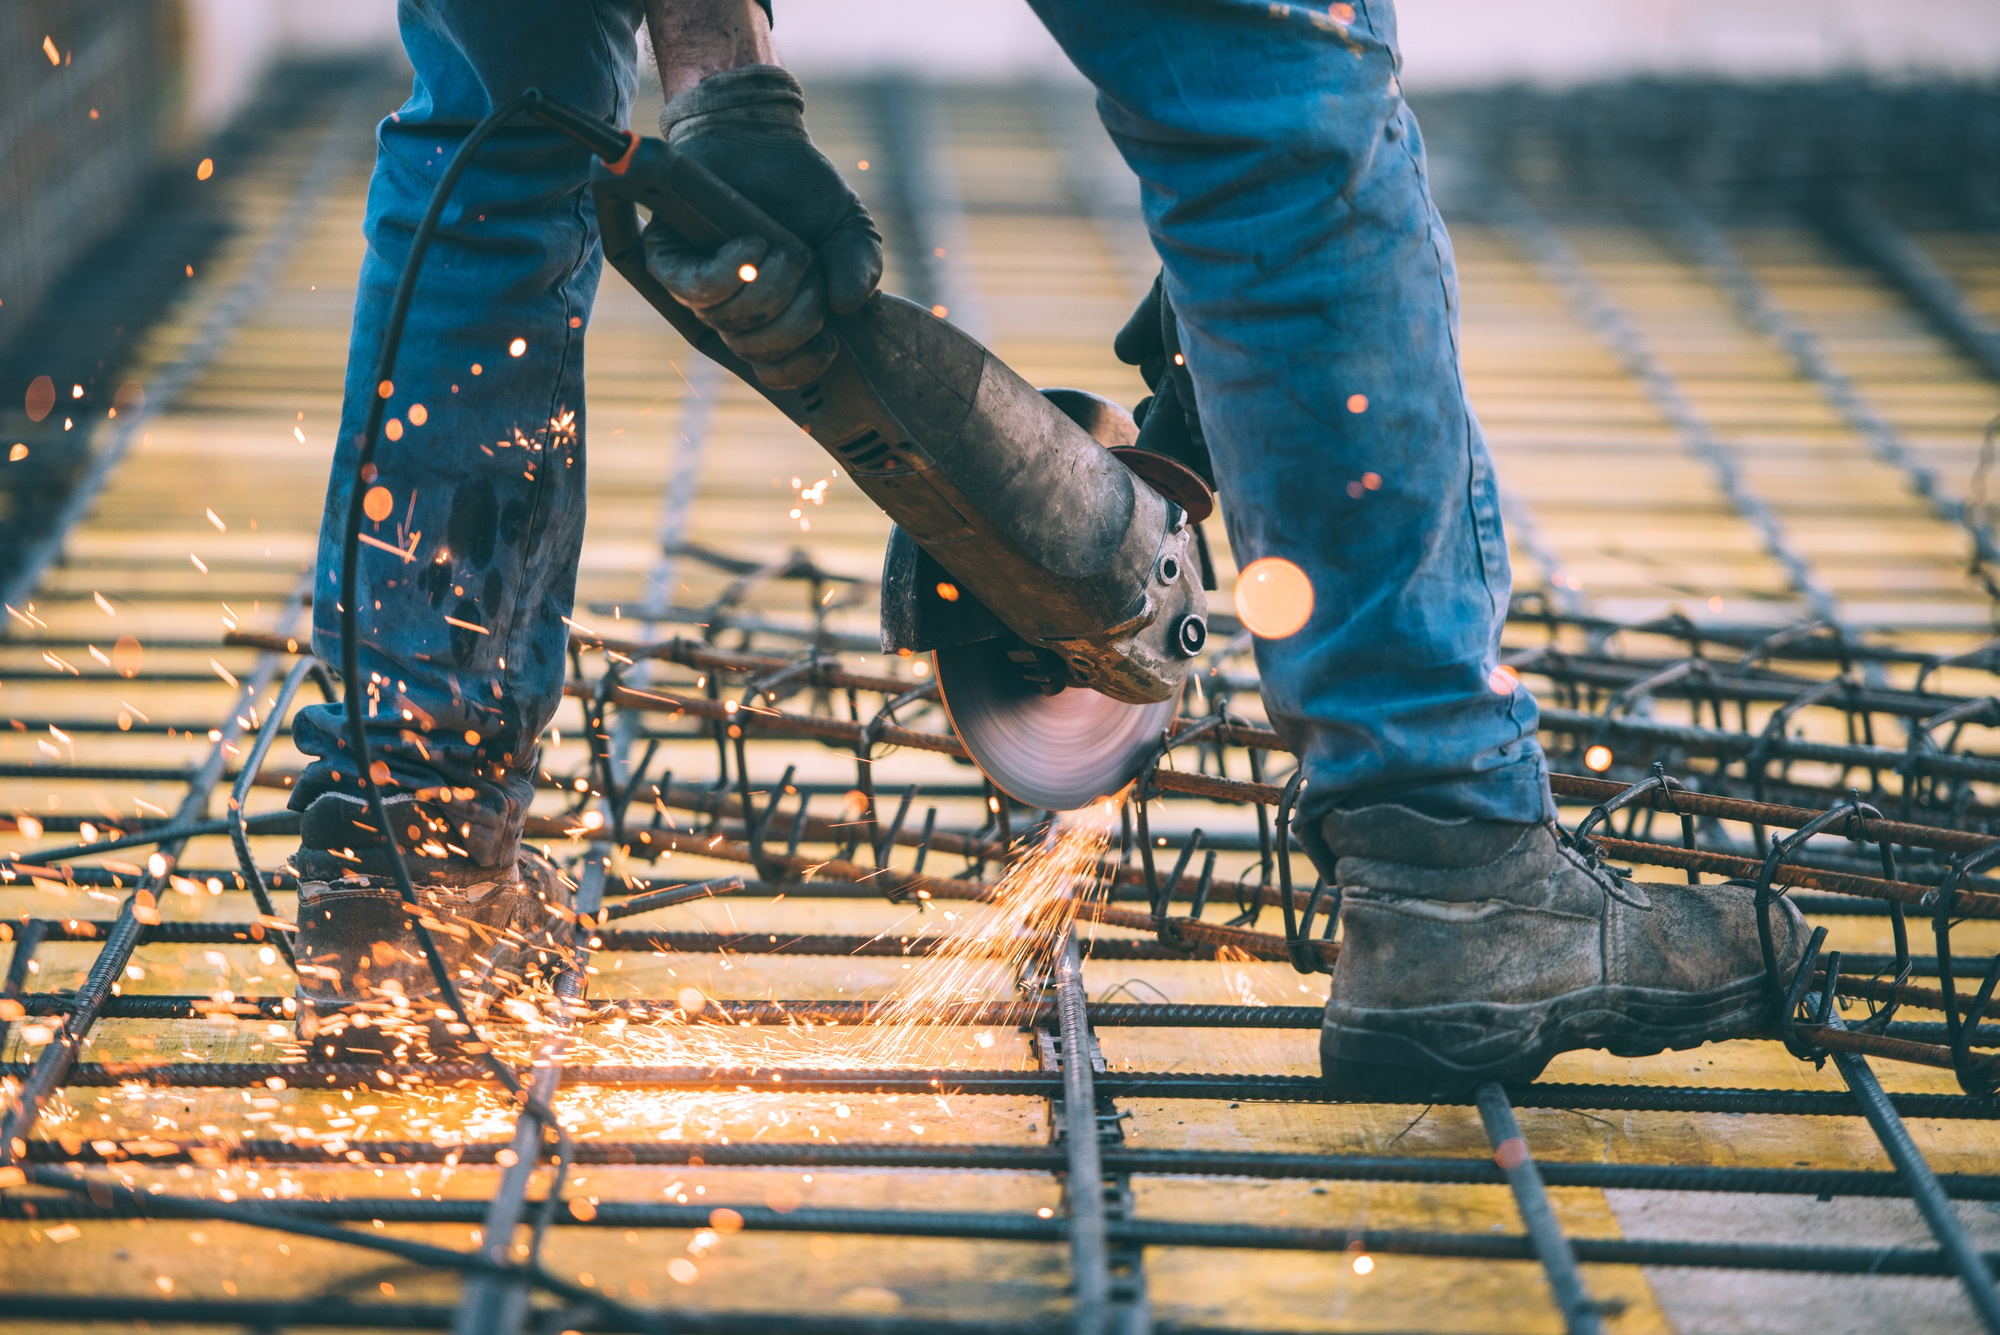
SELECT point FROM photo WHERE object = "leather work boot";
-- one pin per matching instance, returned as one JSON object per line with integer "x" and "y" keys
{"x": 1477, "y": 950}
{"x": 366, "y": 992}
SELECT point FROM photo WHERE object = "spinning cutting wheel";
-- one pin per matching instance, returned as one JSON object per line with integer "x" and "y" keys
{"x": 1057, "y": 752}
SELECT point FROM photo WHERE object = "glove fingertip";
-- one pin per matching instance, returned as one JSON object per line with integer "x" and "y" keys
{"x": 853, "y": 268}
{"x": 802, "y": 367}
{"x": 1141, "y": 337}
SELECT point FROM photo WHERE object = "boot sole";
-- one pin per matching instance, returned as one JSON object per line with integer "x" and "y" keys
{"x": 325, "y": 1024}
{"x": 1428, "y": 1053}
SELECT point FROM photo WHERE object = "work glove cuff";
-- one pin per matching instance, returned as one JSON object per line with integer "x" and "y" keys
{"x": 764, "y": 97}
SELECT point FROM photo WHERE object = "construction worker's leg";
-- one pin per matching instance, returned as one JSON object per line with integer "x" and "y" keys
{"x": 1284, "y": 184}
{"x": 472, "y": 527}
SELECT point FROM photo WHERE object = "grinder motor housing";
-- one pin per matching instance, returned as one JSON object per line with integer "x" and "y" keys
{"x": 1031, "y": 516}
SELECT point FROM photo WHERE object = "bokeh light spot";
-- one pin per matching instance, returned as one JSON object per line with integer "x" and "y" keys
{"x": 1597, "y": 759}
{"x": 41, "y": 397}
{"x": 1274, "y": 598}
{"x": 127, "y": 656}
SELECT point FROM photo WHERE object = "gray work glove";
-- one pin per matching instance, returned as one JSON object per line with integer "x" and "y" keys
{"x": 748, "y": 127}
{"x": 1168, "y": 421}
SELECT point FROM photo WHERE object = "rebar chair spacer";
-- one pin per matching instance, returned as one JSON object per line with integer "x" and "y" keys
{"x": 1305, "y": 953}
{"x": 1159, "y": 896}
{"x": 1976, "y": 1076}
{"x": 1787, "y": 993}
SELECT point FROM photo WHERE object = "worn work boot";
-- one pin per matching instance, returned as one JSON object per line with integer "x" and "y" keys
{"x": 1477, "y": 950}
{"x": 366, "y": 992}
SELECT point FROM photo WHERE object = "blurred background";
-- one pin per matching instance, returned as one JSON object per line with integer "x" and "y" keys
{"x": 1584, "y": 152}
{"x": 133, "y": 82}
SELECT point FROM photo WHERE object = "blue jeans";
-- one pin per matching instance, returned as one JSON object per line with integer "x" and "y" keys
{"x": 1283, "y": 183}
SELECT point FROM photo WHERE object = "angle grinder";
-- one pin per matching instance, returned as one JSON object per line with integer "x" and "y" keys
{"x": 1050, "y": 565}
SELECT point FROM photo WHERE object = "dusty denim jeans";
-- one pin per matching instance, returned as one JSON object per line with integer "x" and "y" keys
{"x": 1283, "y": 182}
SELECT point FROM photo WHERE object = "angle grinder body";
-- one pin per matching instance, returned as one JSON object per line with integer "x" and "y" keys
{"x": 1062, "y": 593}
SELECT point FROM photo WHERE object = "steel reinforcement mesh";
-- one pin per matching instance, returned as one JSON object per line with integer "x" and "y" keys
{"x": 751, "y": 747}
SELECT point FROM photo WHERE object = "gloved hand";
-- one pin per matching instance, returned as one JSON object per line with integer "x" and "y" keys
{"x": 748, "y": 127}
{"x": 1168, "y": 421}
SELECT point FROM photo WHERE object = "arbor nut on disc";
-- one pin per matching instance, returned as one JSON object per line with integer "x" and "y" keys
{"x": 1053, "y": 752}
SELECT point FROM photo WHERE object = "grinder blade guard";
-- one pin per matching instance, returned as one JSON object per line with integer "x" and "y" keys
{"x": 1069, "y": 576}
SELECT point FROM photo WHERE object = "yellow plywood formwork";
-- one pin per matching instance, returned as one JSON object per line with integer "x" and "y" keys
{"x": 209, "y": 525}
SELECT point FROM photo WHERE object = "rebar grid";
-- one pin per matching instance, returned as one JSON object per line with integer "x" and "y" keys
{"x": 1802, "y": 758}
{"x": 1172, "y": 877}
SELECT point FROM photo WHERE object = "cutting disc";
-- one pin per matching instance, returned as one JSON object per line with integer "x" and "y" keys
{"x": 1057, "y": 752}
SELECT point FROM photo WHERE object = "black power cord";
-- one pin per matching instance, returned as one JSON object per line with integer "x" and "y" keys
{"x": 350, "y": 559}
{"x": 350, "y": 554}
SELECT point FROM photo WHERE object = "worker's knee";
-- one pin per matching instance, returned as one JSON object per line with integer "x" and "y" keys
{"x": 1211, "y": 100}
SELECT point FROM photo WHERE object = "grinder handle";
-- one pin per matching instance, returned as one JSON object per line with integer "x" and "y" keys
{"x": 691, "y": 199}
{"x": 686, "y": 196}
{"x": 706, "y": 210}
{"x": 681, "y": 193}
{"x": 652, "y": 178}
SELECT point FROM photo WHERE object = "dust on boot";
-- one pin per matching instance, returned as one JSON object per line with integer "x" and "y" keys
{"x": 366, "y": 992}
{"x": 1477, "y": 950}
